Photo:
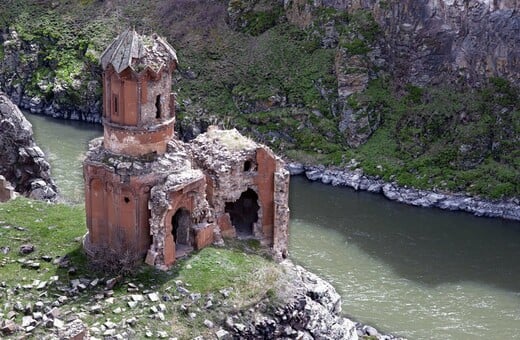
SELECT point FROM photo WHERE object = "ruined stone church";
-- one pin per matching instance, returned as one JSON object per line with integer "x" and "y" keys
{"x": 151, "y": 195}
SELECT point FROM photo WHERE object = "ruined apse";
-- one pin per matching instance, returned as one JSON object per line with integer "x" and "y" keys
{"x": 151, "y": 196}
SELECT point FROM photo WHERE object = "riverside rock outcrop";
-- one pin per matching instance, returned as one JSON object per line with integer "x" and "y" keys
{"x": 508, "y": 209}
{"x": 309, "y": 308}
{"x": 22, "y": 162}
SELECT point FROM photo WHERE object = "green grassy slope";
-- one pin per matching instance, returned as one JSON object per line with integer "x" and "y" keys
{"x": 232, "y": 278}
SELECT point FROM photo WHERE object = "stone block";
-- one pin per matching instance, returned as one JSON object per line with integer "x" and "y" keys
{"x": 203, "y": 235}
{"x": 226, "y": 228}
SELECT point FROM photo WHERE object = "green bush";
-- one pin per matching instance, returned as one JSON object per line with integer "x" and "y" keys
{"x": 357, "y": 46}
{"x": 259, "y": 22}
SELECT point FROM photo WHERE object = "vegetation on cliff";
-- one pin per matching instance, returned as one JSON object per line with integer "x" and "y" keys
{"x": 278, "y": 74}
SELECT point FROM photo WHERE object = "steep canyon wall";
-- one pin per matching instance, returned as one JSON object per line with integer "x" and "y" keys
{"x": 430, "y": 41}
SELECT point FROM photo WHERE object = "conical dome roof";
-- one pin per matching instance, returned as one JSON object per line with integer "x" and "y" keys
{"x": 138, "y": 52}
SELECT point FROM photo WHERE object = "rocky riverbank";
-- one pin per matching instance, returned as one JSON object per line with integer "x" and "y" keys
{"x": 354, "y": 178}
{"x": 22, "y": 162}
{"x": 310, "y": 309}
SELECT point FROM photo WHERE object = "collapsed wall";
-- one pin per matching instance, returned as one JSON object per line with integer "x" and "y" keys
{"x": 247, "y": 187}
{"x": 180, "y": 218}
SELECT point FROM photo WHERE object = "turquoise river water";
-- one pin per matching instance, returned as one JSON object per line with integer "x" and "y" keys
{"x": 419, "y": 273}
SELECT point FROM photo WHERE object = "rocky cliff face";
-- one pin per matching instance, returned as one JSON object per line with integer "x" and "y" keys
{"x": 423, "y": 43}
{"x": 430, "y": 41}
{"x": 22, "y": 162}
{"x": 36, "y": 82}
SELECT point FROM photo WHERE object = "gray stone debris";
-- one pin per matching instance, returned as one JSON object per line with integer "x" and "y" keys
{"x": 154, "y": 297}
{"x": 222, "y": 334}
{"x": 137, "y": 297}
{"x": 26, "y": 249}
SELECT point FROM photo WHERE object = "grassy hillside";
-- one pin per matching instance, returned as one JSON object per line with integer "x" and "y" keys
{"x": 278, "y": 83}
{"x": 57, "y": 275}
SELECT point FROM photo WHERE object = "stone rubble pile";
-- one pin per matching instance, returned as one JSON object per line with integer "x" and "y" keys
{"x": 508, "y": 209}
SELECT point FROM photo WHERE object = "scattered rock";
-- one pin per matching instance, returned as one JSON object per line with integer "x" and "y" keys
{"x": 94, "y": 283}
{"x": 26, "y": 249}
{"x": 110, "y": 325}
{"x": 195, "y": 296}
{"x": 183, "y": 290}
{"x": 222, "y": 334}
{"x": 62, "y": 261}
{"x": 9, "y": 327}
{"x": 75, "y": 329}
{"x": 58, "y": 323}
{"x": 111, "y": 283}
{"x": 154, "y": 297}
{"x": 96, "y": 309}
{"x": 28, "y": 321}
{"x": 162, "y": 334}
{"x": 137, "y": 297}
{"x": 132, "y": 321}
{"x": 226, "y": 292}
{"x": 53, "y": 313}
{"x": 109, "y": 332}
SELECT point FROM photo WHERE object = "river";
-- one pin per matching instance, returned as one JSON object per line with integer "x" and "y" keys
{"x": 419, "y": 273}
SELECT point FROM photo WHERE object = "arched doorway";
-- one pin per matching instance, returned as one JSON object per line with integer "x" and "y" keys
{"x": 181, "y": 223}
{"x": 244, "y": 212}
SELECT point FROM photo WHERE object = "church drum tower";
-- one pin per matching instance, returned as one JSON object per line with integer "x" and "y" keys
{"x": 138, "y": 121}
